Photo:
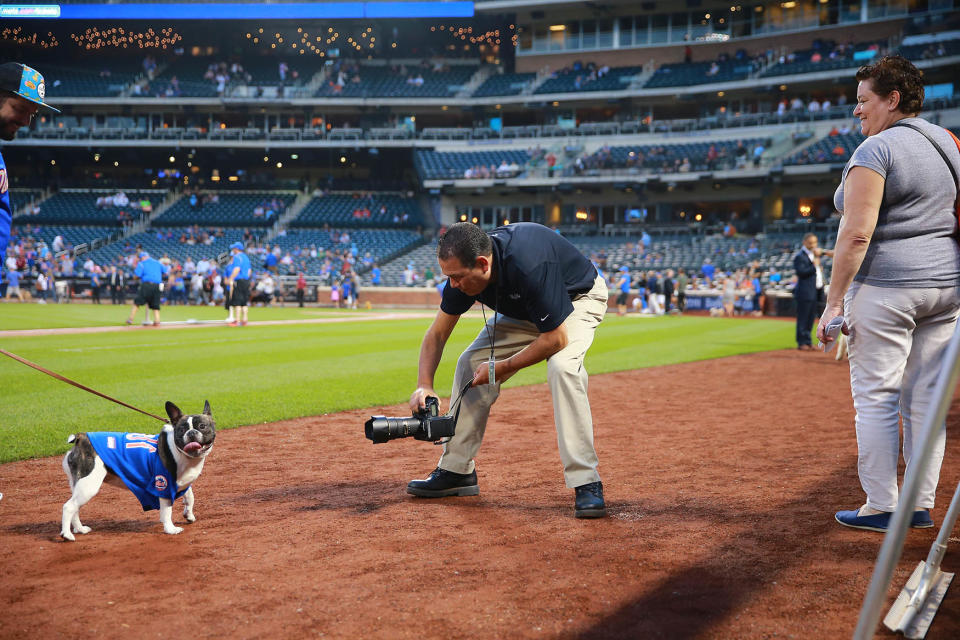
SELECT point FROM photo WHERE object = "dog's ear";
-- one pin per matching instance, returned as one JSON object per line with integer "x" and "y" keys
{"x": 206, "y": 407}
{"x": 174, "y": 412}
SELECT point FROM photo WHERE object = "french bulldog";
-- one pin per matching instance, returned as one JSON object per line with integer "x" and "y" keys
{"x": 158, "y": 469}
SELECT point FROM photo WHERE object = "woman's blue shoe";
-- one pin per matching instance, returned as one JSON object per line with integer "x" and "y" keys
{"x": 876, "y": 522}
{"x": 879, "y": 521}
{"x": 921, "y": 520}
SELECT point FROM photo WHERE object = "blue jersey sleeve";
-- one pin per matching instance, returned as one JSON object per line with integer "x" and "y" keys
{"x": 6, "y": 212}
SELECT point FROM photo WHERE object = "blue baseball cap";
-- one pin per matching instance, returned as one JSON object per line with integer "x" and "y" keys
{"x": 144, "y": 255}
{"x": 25, "y": 82}
{"x": 624, "y": 268}
{"x": 237, "y": 245}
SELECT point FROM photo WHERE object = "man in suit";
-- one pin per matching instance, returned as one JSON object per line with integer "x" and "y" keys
{"x": 809, "y": 289}
{"x": 116, "y": 281}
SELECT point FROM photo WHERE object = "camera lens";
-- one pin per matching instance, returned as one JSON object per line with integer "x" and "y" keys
{"x": 381, "y": 429}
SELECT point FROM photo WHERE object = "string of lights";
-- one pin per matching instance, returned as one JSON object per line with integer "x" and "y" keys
{"x": 118, "y": 37}
{"x": 490, "y": 38}
{"x": 20, "y": 37}
{"x": 317, "y": 43}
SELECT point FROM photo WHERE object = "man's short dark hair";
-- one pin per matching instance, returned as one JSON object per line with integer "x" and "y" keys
{"x": 896, "y": 73}
{"x": 466, "y": 242}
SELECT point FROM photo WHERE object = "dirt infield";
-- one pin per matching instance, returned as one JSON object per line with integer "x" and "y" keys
{"x": 721, "y": 479}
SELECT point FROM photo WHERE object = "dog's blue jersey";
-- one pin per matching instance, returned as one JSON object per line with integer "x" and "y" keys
{"x": 134, "y": 458}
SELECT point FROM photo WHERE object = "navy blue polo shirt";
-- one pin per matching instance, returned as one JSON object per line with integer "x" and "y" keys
{"x": 537, "y": 274}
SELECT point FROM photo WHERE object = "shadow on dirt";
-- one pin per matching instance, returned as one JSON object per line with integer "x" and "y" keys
{"x": 689, "y": 602}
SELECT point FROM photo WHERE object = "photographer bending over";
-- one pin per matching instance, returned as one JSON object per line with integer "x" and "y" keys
{"x": 548, "y": 300}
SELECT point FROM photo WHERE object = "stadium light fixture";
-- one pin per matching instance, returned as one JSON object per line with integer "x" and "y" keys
{"x": 475, "y": 220}
{"x": 279, "y": 165}
{"x": 558, "y": 27}
{"x": 53, "y": 162}
{"x": 172, "y": 159}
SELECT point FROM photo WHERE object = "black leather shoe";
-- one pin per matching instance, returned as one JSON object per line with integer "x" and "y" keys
{"x": 589, "y": 502}
{"x": 443, "y": 483}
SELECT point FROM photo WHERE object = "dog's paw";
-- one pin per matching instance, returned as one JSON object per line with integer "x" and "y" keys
{"x": 66, "y": 535}
{"x": 190, "y": 517}
{"x": 172, "y": 530}
{"x": 84, "y": 529}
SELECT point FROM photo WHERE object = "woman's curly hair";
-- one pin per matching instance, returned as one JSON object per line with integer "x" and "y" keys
{"x": 896, "y": 73}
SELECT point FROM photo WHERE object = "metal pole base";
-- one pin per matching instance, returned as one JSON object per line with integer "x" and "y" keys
{"x": 919, "y": 624}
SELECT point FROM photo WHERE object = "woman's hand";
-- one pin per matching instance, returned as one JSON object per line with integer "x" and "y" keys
{"x": 829, "y": 313}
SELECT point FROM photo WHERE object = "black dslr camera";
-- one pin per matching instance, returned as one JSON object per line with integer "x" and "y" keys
{"x": 425, "y": 424}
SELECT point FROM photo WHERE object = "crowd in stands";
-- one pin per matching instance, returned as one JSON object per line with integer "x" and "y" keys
{"x": 268, "y": 209}
{"x": 503, "y": 170}
{"x": 122, "y": 203}
{"x": 671, "y": 158}
{"x": 583, "y": 74}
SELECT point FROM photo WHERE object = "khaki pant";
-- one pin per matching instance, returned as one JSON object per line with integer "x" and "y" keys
{"x": 566, "y": 377}
{"x": 898, "y": 337}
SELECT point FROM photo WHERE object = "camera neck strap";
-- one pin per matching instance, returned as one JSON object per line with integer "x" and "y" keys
{"x": 456, "y": 413}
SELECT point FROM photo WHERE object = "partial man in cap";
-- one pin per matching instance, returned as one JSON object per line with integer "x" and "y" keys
{"x": 22, "y": 94}
{"x": 151, "y": 274}
{"x": 238, "y": 278}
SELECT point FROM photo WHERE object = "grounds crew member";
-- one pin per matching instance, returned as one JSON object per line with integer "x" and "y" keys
{"x": 549, "y": 300}
{"x": 151, "y": 273}
{"x": 238, "y": 279}
{"x": 22, "y": 93}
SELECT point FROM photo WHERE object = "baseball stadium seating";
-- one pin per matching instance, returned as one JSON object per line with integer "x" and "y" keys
{"x": 108, "y": 80}
{"x": 72, "y": 235}
{"x": 827, "y": 150}
{"x": 692, "y": 73}
{"x": 81, "y": 208}
{"x": 381, "y": 81}
{"x": 380, "y": 244}
{"x": 354, "y": 210}
{"x": 566, "y": 81}
{"x": 505, "y": 84}
{"x": 232, "y": 210}
{"x": 172, "y": 248}
{"x": 451, "y": 165}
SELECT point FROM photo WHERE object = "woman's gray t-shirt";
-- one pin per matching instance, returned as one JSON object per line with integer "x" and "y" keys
{"x": 915, "y": 242}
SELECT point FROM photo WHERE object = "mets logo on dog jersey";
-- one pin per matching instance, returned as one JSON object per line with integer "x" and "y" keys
{"x": 160, "y": 483}
{"x": 3, "y": 180}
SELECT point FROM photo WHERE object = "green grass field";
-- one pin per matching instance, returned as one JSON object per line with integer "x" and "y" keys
{"x": 267, "y": 373}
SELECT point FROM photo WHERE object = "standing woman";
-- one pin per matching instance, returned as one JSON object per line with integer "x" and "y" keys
{"x": 896, "y": 281}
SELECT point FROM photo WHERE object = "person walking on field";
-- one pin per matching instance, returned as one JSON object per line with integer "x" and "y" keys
{"x": 301, "y": 288}
{"x": 238, "y": 278}
{"x": 896, "y": 283}
{"x": 624, "y": 285}
{"x": 13, "y": 285}
{"x": 151, "y": 273}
